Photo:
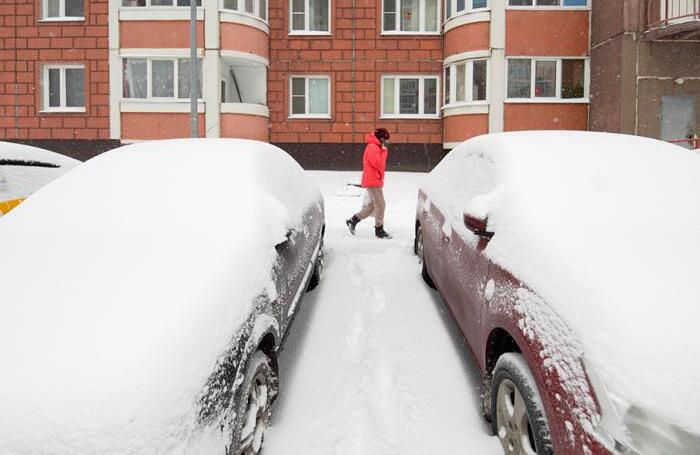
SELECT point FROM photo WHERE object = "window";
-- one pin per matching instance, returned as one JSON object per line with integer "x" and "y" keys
{"x": 469, "y": 78}
{"x": 159, "y": 78}
{"x": 409, "y": 96}
{"x": 543, "y": 78}
{"x": 461, "y": 6}
{"x": 63, "y": 9}
{"x": 309, "y": 96}
{"x": 310, "y": 16}
{"x": 158, "y": 2}
{"x": 564, "y": 3}
{"x": 64, "y": 88}
{"x": 257, "y": 8}
{"x": 410, "y": 16}
{"x": 243, "y": 81}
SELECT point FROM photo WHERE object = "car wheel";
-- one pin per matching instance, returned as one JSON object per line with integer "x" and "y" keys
{"x": 420, "y": 252}
{"x": 260, "y": 387}
{"x": 318, "y": 270}
{"x": 518, "y": 417}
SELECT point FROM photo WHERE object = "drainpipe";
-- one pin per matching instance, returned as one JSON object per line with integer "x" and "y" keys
{"x": 353, "y": 76}
{"x": 193, "y": 69}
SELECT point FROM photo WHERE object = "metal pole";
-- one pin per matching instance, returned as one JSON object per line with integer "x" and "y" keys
{"x": 194, "y": 115}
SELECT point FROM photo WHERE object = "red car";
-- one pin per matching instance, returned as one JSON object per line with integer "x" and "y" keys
{"x": 569, "y": 262}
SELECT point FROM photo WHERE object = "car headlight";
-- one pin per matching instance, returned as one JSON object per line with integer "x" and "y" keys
{"x": 632, "y": 430}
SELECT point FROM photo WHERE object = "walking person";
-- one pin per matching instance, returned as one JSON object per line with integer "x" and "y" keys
{"x": 373, "y": 169}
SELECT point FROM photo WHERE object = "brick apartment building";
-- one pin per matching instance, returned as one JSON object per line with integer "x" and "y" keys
{"x": 310, "y": 75}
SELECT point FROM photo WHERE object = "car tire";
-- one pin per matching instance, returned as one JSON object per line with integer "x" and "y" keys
{"x": 318, "y": 270}
{"x": 419, "y": 249}
{"x": 518, "y": 417}
{"x": 254, "y": 405}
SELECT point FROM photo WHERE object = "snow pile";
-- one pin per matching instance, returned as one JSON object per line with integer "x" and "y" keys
{"x": 124, "y": 281}
{"x": 606, "y": 229}
{"x": 18, "y": 181}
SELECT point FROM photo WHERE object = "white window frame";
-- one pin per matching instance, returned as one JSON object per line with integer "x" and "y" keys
{"x": 62, "y": 83}
{"x": 148, "y": 5}
{"x": 537, "y": 7}
{"x": 468, "y": 8}
{"x": 421, "y": 96}
{"x": 306, "y": 30}
{"x": 306, "y": 78}
{"x": 557, "y": 98}
{"x": 468, "y": 80}
{"x": 149, "y": 80}
{"x": 62, "y": 10}
{"x": 241, "y": 9}
{"x": 421, "y": 22}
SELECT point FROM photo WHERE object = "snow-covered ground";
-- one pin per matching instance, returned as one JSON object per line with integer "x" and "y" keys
{"x": 373, "y": 363}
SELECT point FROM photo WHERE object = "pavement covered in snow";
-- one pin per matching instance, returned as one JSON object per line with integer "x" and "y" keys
{"x": 373, "y": 363}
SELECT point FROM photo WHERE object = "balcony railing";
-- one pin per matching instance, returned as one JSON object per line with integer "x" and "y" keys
{"x": 680, "y": 14}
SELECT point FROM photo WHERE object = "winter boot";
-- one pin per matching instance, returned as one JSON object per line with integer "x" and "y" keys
{"x": 381, "y": 233}
{"x": 352, "y": 222}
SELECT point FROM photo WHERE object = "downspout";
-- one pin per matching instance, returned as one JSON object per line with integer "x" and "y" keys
{"x": 352, "y": 119}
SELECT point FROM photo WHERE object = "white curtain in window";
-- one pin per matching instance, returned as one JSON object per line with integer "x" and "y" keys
{"x": 318, "y": 96}
{"x": 135, "y": 78}
{"x": 318, "y": 16}
{"x": 388, "y": 96}
{"x": 410, "y": 15}
{"x": 75, "y": 87}
{"x": 163, "y": 78}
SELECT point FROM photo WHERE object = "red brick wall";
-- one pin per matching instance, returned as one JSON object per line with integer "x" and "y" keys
{"x": 333, "y": 55}
{"x": 555, "y": 33}
{"x": 26, "y": 43}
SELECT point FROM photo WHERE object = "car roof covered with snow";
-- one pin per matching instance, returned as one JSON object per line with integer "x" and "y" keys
{"x": 124, "y": 281}
{"x": 606, "y": 229}
{"x": 24, "y": 169}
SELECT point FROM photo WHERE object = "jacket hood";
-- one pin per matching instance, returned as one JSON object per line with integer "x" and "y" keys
{"x": 370, "y": 138}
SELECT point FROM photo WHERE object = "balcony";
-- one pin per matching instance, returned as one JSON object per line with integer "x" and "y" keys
{"x": 673, "y": 19}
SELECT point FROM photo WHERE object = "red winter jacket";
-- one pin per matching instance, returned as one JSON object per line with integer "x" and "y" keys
{"x": 373, "y": 163}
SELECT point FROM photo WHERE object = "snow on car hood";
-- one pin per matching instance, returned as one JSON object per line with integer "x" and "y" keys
{"x": 20, "y": 181}
{"x": 124, "y": 281}
{"x": 606, "y": 229}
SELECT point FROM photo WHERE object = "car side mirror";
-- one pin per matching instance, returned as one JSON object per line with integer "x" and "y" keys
{"x": 287, "y": 237}
{"x": 477, "y": 226}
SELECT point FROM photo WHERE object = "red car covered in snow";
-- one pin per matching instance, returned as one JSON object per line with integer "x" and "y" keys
{"x": 569, "y": 262}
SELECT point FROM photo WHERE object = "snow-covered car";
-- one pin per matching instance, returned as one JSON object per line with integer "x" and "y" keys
{"x": 24, "y": 169}
{"x": 145, "y": 316}
{"x": 569, "y": 260}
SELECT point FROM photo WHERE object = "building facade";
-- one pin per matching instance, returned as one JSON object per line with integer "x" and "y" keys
{"x": 313, "y": 76}
{"x": 645, "y": 57}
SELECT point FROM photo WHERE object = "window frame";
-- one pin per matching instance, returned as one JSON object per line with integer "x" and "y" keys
{"x": 306, "y": 114}
{"x": 537, "y": 7}
{"x": 469, "y": 82}
{"x": 421, "y": 24}
{"x": 149, "y": 80}
{"x": 421, "y": 96}
{"x": 550, "y": 99}
{"x": 159, "y": 7}
{"x": 62, "y": 10}
{"x": 241, "y": 9}
{"x": 45, "y": 107}
{"x": 306, "y": 30}
{"x": 468, "y": 8}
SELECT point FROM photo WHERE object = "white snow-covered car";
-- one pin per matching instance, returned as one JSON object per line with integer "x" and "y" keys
{"x": 146, "y": 315}
{"x": 24, "y": 169}
{"x": 571, "y": 263}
